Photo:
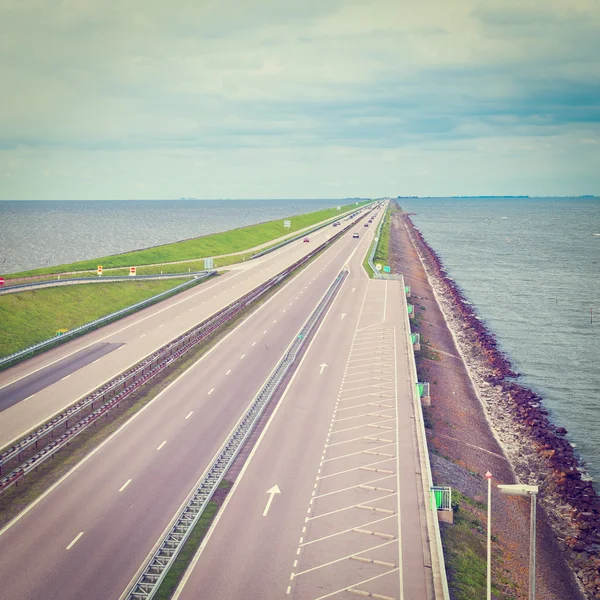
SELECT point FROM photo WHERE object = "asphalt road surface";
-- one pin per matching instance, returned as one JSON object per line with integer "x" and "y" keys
{"x": 137, "y": 336}
{"x": 330, "y": 504}
{"x": 87, "y": 536}
{"x": 25, "y": 388}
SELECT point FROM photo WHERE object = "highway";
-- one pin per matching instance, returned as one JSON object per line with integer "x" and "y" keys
{"x": 87, "y": 536}
{"x": 33, "y": 391}
{"x": 347, "y": 519}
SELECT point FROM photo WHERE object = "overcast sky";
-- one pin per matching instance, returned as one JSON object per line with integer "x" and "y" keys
{"x": 111, "y": 99}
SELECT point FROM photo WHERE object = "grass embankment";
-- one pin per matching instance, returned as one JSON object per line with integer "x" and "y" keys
{"x": 236, "y": 240}
{"x": 30, "y": 317}
{"x": 466, "y": 555}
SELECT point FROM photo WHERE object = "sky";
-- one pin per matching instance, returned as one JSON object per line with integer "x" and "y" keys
{"x": 120, "y": 99}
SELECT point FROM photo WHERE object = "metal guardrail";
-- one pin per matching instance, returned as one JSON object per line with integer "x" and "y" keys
{"x": 159, "y": 564}
{"x": 110, "y": 394}
{"x": 21, "y": 287}
{"x": 433, "y": 526}
{"x": 7, "y": 360}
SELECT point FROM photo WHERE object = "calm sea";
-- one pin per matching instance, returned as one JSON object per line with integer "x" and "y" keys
{"x": 45, "y": 233}
{"x": 532, "y": 269}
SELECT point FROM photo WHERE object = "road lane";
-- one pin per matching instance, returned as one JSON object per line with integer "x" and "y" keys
{"x": 120, "y": 528}
{"x": 158, "y": 324}
{"x": 41, "y": 379}
{"x": 341, "y": 448}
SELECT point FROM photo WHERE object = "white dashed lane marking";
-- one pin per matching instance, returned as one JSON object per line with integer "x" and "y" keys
{"x": 75, "y": 540}
{"x": 125, "y": 485}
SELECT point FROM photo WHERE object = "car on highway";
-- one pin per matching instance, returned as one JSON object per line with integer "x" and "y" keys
{"x": 366, "y": 224}
{"x": 306, "y": 240}
{"x": 355, "y": 235}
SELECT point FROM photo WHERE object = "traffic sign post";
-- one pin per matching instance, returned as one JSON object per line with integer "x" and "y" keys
{"x": 386, "y": 269}
{"x": 99, "y": 269}
{"x": 1, "y": 281}
{"x": 131, "y": 271}
{"x": 287, "y": 224}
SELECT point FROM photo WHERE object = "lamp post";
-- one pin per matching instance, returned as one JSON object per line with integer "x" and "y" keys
{"x": 531, "y": 491}
{"x": 488, "y": 476}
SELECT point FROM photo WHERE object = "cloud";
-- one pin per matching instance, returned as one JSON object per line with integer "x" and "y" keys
{"x": 209, "y": 84}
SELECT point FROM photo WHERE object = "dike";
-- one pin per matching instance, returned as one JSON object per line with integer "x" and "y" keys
{"x": 537, "y": 450}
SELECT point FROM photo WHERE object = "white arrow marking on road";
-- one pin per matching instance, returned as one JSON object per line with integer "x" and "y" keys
{"x": 343, "y": 315}
{"x": 322, "y": 368}
{"x": 353, "y": 289}
{"x": 274, "y": 490}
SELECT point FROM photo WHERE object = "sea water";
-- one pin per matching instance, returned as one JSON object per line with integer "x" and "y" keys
{"x": 531, "y": 268}
{"x": 47, "y": 233}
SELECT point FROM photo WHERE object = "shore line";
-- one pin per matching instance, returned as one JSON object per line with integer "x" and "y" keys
{"x": 537, "y": 450}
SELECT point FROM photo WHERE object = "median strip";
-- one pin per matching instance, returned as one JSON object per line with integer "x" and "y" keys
{"x": 156, "y": 568}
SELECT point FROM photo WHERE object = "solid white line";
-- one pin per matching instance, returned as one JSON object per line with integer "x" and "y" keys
{"x": 354, "y": 469}
{"x": 332, "y": 562}
{"x": 355, "y": 584}
{"x": 359, "y": 452}
{"x": 75, "y": 540}
{"x": 352, "y": 487}
{"x": 346, "y": 531}
{"x": 29, "y": 398}
{"x": 125, "y": 485}
{"x": 190, "y": 414}
{"x": 162, "y": 445}
{"x": 66, "y": 377}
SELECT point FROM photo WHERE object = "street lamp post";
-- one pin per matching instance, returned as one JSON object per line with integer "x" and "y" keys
{"x": 531, "y": 491}
{"x": 488, "y": 476}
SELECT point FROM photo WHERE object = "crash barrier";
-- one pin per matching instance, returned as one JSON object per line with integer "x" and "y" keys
{"x": 157, "y": 567}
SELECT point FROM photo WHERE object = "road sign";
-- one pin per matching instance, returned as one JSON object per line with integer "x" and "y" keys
{"x": 378, "y": 266}
{"x": 386, "y": 269}
{"x": 1, "y": 280}
{"x": 208, "y": 263}
{"x": 287, "y": 224}
{"x": 99, "y": 269}
{"x": 339, "y": 208}
{"x": 131, "y": 270}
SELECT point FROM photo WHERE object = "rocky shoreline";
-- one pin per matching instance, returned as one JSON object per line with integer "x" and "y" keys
{"x": 538, "y": 451}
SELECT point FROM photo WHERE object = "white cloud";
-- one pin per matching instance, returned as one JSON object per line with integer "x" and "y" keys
{"x": 236, "y": 98}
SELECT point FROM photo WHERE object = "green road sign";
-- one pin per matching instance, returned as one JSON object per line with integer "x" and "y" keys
{"x": 386, "y": 269}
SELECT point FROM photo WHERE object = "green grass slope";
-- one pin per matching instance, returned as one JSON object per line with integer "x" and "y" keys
{"x": 30, "y": 317}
